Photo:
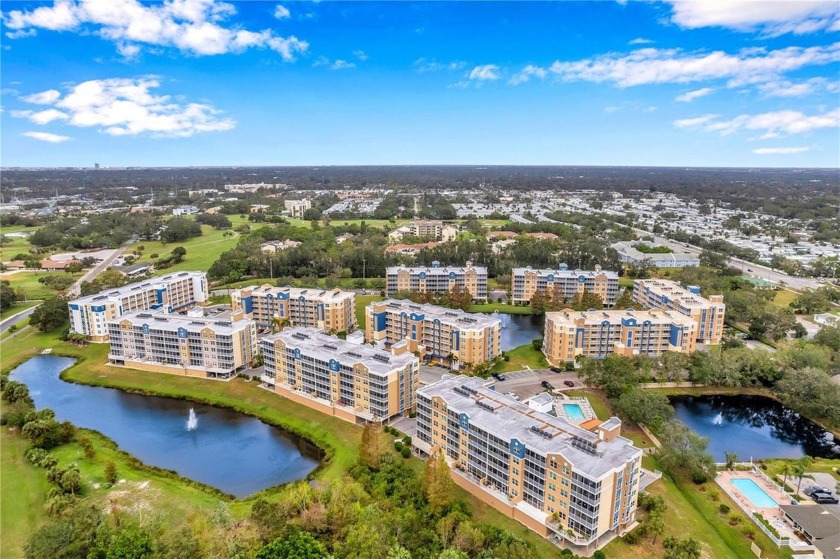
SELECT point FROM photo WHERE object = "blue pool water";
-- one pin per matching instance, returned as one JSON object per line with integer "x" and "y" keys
{"x": 573, "y": 411}
{"x": 757, "y": 496}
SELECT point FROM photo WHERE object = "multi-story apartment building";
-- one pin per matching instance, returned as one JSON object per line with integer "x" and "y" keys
{"x": 707, "y": 313}
{"x": 435, "y": 332}
{"x": 545, "y": 472}
{"x": 354, "y": 382}
{"x": 428, "y": 229}
{"x": 183, "y": 345}
{"x": 563, "y": 284}
{"x": 437, "y": 279}
{"x": 629, "y": 254}
{"x": 331, "y": 311}
{"x": 596, "y": 334}
{"x": 297, "y": 207}
{"x": 90, "y": 315}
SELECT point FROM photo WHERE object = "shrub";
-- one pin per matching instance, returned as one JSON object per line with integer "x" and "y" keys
{"x": 735, "y": 519}
{"x": 405, "y": 452}
{"x": 398, "y": 446}
{"x": 749, "y": 531}
{"x": 87, "y": 447}
{"x": 714, "y": 495}
{"x": 631, "y": 538}
{"x": 699, "y": 477}
{"x": 724, "y": 508}
{"x": 599, "y": 555}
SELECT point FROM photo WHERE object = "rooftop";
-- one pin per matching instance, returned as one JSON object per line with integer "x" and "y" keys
{"x": 454, "y": 317}
{"x": 174, "y": 322}
{"x": 674, "y": 291}
{"x": 315, "y": 342}
{"x": 437, "y": 269}
{"x": 144, "y": 285}
{"x": 565, "y": 272}
{"x": 331, "y": 295}
{"x": 596, "y": 317}
{"x": 508, "y": 419}
{"x": 817, "y": 520}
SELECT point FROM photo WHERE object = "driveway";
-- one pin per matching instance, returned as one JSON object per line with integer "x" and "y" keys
{"x": 528, "y": 383}
{"x": 826, "y": 481}
{"x": 405, "y": 425}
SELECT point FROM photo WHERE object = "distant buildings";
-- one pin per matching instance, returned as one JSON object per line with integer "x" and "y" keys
{"x": 707, "y": 313}
{"x": 827, "y": 319}
{"x": 356, "y": 383}
{"x": 596, "y": 334}
{"x": 90, "y": 315}
{"x": 409, "y": 250}
{"x": 563, "y": 282}
{"x": 449, "y": 335}
{"x": 184, "y": 210}
{"x": 558, "y": 479}
{"x": 328, "y": 310}
{"x": 676, "y": 259}
{"x": 272, "y": 247}
{"x": 245, "y": 188}
{"x": 437, "y": 279}
{"x": 429, "y": 229}
{"x": 297, "y": 207}
{"x": 183, "y": 345}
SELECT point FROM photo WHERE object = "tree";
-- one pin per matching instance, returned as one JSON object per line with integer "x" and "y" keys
{"x": 178, "y": 253}
{"x": 731, "y": 458}
{"x": 437, "y": 483}
{"x": 69, "y": 536}
{"x": 643, "y": 406}
{"x": 50, "y": 314}
{"x": 7, "y": 295}
{"x": 458, "y": 298}
{"x": 615, "y": 374}
{"x": 130, "y": 541}
{"x": 370, "y": 449}
{"x": 799, "y": 470}
{"x": 111, "y": 472}
{"x": 681, "y": 549}
{"x": 829, "y": 336}
{"x": 683, "y": 450}
{"x": 786, "y": 470}
{"x": 586, "y": 300}
{"x": 539, "y": 302}
{"x": 656, "y": 523}
{"x": 297, "y": 546}
{"x": 179, "y": 229}
{"x": 625, "y": 300}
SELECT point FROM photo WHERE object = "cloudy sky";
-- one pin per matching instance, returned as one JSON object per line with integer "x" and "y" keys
{"x": 202, "y": 82}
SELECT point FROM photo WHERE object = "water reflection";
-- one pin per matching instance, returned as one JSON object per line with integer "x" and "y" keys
{"x": 233, "y": 452}
{"x": 754, "y": 427}
{"x": 519, "y": 329}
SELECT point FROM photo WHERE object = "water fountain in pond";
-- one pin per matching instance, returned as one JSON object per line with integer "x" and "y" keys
{"x": 192, "y": 421}
{"x": 718, "y": 420}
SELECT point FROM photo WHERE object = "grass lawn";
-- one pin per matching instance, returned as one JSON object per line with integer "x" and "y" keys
{"x": 13, "y": 246}
{"x": 784, "y": 298}
{"x": 624, "y": 281}
{"x": 24, "y": 492}
{"x": 16, "y": 308}
{"x": 28, "y": 282}
{"x": 201, "y": 251}
{"x": 821, "y": 465}
{"x": 363, "y": 301}
{"x": 520, "y": 357}
{"x": 501, "y": 307}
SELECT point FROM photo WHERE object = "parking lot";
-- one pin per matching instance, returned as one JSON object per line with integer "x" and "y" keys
{"x": 524, "y": 383}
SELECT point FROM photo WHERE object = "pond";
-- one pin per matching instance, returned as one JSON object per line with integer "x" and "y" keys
{"x": 519, "y": 329}
{"x": 754, "y": 427}
{"x": 230, "y": 451}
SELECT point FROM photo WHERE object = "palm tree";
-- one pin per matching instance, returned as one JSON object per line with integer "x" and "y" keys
{"x": 731, "y": 458}
{"x": 799, "y": 470}
{"x": 787, "y": 469}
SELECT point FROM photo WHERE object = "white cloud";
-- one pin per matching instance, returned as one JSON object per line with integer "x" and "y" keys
{"x": 785, "y": 88}
{"x": 46, "y": 137}
{"x": 780, "y": 150}
{"x": 196, "y": 27}
{"x": 772, "y": 18}
{"x": 772, "y": 124}
{"x": 640, "y": 41}
{"x": 696, "y": 121}
{"x": 485, "y": 72}
{"x": 127, "y": 107}
{"x": 527, "y": 73}
{"x": 282, "y": 12}
{"x": 651, "y": 66}
{"x": 692, "y": 95}
{"x": 341, "y": 65}
{"x": 635, "y": 106}
{"x": 361, "y": 55}
{"x": 43, "y": 98}
{"x": 423, "y": 65}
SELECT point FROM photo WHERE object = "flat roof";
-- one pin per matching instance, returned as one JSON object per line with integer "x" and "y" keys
{"x": 614, "y": 316}
{"x": 454, "y": 317}
{"x": 566, "y": 272}
{"x": 326, "y": 295}
{"x": 312, "y": 341}
{"x": 173, "y": 322}
{"x": 435, "y": 270}
{"x": 508, "y": 419}
{"x": 128, "y": 289}
{"x": 675, "y": 291}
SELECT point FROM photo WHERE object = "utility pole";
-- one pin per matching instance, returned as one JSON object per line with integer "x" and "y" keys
{"x": 364, "y": 269}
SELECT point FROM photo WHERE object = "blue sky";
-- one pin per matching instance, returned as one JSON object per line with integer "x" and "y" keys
{"x": 198, "y": 82}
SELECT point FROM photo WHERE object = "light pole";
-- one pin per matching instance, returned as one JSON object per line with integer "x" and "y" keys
{"x": 364, "y": 269}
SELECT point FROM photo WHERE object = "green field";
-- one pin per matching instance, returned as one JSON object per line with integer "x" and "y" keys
{"x": 14, "y": 245}
{"x": 520, "y": 357}
{"x": 28, "y": 282}
{"x": 16, "y": 308}
{"x": 201, "y": 251}
{"x": 784, "y": 298}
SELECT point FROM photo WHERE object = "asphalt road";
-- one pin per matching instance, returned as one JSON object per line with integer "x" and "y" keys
{"x": 23, "y": 315}
{"x": 75, "y": 289}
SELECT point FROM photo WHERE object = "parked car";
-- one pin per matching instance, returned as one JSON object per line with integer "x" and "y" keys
{"x": 825, "y": 499}
{"x": 512, "y": 395}
{"x": 498, "y": 377}
{"x": 547, "y": 385}
{"x": 568, "y": 383}
{"x": 815, "y": 489}
{"x": 556, "y": 369}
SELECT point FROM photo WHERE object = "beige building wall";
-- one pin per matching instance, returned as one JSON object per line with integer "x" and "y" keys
{"x": 709, "y": 313}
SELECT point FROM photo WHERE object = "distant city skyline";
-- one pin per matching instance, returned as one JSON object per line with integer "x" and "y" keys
{"x": 715, "y": 83}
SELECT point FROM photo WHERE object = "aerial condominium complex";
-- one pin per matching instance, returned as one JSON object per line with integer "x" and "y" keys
{"x": 435, "y": 332}
{"x": 354, "y": 382}
{"x": 437, "y": 279}
{"x": 596, "y": 334}
{"x": 183, "y": 345}
{"x": 666, "y": 294}
{"x": 563, "y": 284}
{"x": 331, "y": 310}
{"x": 427, "y": 229}
{"x": 170, "y": 293}
{"x": 550, "y": 475}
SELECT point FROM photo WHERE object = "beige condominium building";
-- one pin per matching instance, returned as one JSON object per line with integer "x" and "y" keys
{"x": 174, "y": 292}
{"x": 437, "y": 279}
{"x": 183, "y": 345}
{"x": 558, "y": 479}
{"x": 708, "y": 313}
{"x": 596, "y": 334}
{"x": 440, "y": 333}
{"x": 427, "y": 229}
{"x": 331, "y": 310}
{"x": 563, "y": 283}
{"x": 354, "y": 382}
{"x": 297, "y": 207}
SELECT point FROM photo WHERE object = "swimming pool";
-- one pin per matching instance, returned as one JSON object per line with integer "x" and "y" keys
{"x": 756, "y": 495}
{"x": 574, "y": 411}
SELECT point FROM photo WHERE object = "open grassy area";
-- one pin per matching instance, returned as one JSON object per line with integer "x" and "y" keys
{"x": 16, "y": 308}
{"x": 28, "y": 282}
{"x": 522, "y": 357}
{"x": 784, "y": 298}
{"x": 821, "y": 465}
{"x": 23, "y": 492}
{"x": 201, "y": 251}
{"x": 500, "y": 307}
{"x": 363, "y": 301}
{"x": 13, "y": 246}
